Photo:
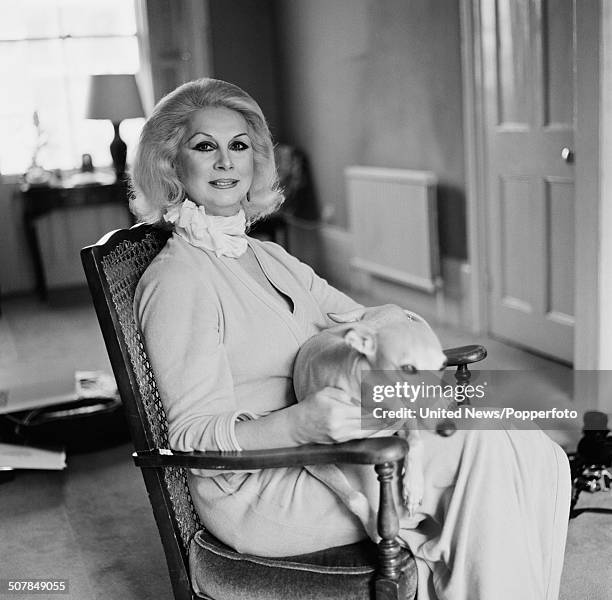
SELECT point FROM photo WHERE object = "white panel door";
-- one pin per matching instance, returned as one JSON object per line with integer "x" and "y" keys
{"x": 529, "y": 60}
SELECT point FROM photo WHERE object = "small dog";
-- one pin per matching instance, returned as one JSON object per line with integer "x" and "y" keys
{"x": 379, "y": 338}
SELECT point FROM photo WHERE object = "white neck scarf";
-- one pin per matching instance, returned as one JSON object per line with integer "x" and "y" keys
{"x": 225, "y": 236}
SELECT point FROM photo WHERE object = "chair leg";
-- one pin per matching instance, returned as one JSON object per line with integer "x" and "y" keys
{"x": 390, "y": 584}
{"x": 387, "y": 589}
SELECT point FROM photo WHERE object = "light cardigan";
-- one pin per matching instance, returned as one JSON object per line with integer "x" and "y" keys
{"x": 221, "y": 346}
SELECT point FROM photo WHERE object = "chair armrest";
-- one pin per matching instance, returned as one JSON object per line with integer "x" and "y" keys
{"x": 464, "y": 355}
{"x": 381, "y": 452}
{"x": 369, "y": 451}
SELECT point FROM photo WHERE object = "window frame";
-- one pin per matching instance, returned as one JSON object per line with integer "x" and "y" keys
{"x": 143, "y": 76}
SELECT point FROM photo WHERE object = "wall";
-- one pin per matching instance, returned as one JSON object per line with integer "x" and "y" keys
{"x": 376, "y": 82}
{"x": 175, "y": 44}
{"x": 243, "y": 51}
{"x": 604, "y": 342}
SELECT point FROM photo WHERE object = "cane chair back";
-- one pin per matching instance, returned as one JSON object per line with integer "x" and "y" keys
{"x": 113, "y": 268}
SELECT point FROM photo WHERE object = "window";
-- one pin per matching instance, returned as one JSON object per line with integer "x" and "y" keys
{"x": 48, "y": 48}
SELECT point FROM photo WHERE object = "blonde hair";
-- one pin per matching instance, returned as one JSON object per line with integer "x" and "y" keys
{"x": 154, "y": 180}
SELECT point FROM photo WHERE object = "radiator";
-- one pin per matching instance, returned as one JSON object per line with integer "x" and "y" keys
{"x": 394, "y": 225}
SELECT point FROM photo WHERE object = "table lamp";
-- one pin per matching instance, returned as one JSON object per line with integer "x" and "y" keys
{"x": 115, "y": 97}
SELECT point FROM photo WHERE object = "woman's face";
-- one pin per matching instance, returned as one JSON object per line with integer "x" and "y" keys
{"x": 215, "y": 160}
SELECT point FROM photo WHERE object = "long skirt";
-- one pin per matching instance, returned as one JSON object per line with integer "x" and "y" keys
{"x": 492, "y": 525}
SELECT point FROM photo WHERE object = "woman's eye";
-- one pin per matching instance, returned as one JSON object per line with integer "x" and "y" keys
{"x": 204, "y": 147}
{"x": 410, "y": 369}
{"x": 238, "y": 146}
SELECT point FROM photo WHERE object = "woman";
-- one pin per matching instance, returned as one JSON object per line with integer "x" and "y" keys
{"x": 223, "y": 316}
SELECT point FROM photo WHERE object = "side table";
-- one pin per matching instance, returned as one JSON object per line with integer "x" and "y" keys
{"x": 39, "y": 200}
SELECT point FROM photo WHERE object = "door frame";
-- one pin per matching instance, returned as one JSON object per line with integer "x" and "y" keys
{"x": 593, "y": 325}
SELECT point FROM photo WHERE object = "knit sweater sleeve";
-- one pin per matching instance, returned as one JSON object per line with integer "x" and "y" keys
{"x": 181, "y": 326}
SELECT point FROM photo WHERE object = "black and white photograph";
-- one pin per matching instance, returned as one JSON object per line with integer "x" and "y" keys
{"x": 306, "y": 299}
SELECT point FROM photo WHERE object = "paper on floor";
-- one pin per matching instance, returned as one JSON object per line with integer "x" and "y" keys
{"x": 28, "y": 457}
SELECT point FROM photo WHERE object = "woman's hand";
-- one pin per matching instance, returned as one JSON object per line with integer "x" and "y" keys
{"x": 326, "y": 417}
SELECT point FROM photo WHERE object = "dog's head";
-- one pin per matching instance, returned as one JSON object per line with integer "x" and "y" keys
{"x": 392, "y": 339}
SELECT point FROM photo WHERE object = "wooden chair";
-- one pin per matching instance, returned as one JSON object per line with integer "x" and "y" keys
{"x": 200, "y": 566}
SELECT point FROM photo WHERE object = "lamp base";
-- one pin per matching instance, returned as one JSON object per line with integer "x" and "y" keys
{"x": 118, "y": 151}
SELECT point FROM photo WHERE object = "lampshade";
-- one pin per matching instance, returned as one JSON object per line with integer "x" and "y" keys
{"x": 114, "y": 97}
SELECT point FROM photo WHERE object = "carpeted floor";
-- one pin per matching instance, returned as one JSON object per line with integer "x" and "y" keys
{"x": 92, "y": 523}
{"x": 587, "y": 574}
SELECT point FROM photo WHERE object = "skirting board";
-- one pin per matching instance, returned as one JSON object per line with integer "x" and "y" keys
{"x": 329, "y": 250}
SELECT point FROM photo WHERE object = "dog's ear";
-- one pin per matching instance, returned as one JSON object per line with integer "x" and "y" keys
{"x": 362, "y": 339}
{"x": 347, "y": 317}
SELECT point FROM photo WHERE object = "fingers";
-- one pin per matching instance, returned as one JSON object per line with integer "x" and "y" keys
{"x": 334, "y": 415}
{"x": 347, "y": 317}
{"x": 340, "y": 395}
{"x": 328, "y": 416}
{"x": 343, "y": 415}
{"x": 344, "y": 408}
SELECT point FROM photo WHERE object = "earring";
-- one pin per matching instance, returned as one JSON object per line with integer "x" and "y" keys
{"x": 248, "y": 196}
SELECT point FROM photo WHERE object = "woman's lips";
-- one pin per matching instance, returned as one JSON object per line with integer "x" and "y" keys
{"x": 224, "y": 184}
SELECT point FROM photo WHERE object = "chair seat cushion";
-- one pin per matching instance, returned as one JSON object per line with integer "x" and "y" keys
{"x": 343, "y": 572}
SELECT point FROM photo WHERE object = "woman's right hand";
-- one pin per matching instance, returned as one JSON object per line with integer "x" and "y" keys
{"x": 326, "y": 417}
